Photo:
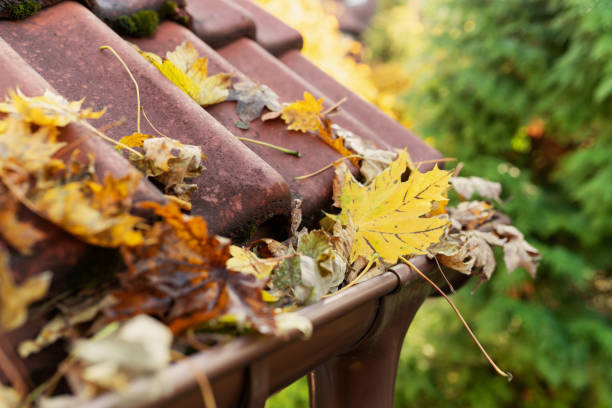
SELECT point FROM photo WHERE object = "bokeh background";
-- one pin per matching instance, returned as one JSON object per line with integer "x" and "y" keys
{"x": 520, "y": 91}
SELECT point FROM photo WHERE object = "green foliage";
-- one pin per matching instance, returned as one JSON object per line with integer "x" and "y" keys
{"x": 140, "y": 24}
{"x": 521, "y": 92}
{"x": 294, "y": 396}
{"x": 23, "y": 9}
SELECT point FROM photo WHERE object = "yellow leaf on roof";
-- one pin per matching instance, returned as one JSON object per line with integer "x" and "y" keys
{"x": 189, "y": 71}
{"x": 390, "y": 215}
{"x": 303, "y": 115}
{"x": 14, "y": 300}
{"x": 49, "y": 109}
{"x": 134, "y": 140}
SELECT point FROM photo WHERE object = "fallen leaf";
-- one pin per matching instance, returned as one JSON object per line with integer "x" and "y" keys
{"x": 187, "y": 70}
{"x": 468, "y": 253}
{"x": 517, "y": 251}
{"x": 388, "y": 214}
{"x": 179, "y": 275}
{"x": 21, "y": 236}
{"x": 134, "y": 140}
{"x": 471, "y": 214}
{"x": 252, "y": 98}
{"x": 467, "y": 186}
{"x": 14, "y": 299}
{"x": 245, "y": 261}
{"x": 337, "y": 143}
{"x": 304, "y": 115}
{"x": 318, "y": 245}
{"x": 9, "y": 398}
{"x": 288, "y": 321}
{"x": 50, "y": 109}
{"x": 170, "y": 162}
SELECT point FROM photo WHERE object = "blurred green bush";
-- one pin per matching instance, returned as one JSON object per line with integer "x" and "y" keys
{"x": 521, "y": 92}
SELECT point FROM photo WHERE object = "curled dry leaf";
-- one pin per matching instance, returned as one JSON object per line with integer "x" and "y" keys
{"x": 470, "y": 214}
{"x": 50, "y": 109}
{"x": 467, "y": 186}
{"x": 517, "y": 251}
{"x": 252, "y": 98}
{"x": 15, "y": 299}
{"x": 388, "y": 215}
{"x": 179, "y": 275}
{"x": 373, "y": 160}
{"x": 187, "y": 70}
{"x": 245, "y": 261}
{"x": 304, "y": 115}
{"x": 170, "y": 162}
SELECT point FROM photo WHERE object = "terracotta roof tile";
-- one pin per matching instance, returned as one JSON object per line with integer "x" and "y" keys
{"x": 219, "y": 22}
{"x": 76, "y": 67}
{"x": 274, "y": 35}
{"x": 244, "y": 185}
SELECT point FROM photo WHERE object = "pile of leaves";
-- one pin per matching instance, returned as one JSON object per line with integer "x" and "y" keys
{"x": 179, "y": 283}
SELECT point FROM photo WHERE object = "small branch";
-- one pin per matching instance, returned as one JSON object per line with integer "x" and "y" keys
{"x": 108, "y": 47}
{"x": 450, "y": 285}
{"x": 151, "y": 124}
{"x": 271, "y": 146}
{"x": 184, "y": 205}
{"x": 450, "y": 302}
{"x": 333, "y": 107}
{"x": 108, "y": 139}
{"x": 13, "y": 372}
{"x": 321, "y": 170}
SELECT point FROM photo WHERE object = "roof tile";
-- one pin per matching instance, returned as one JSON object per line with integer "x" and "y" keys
{"x": 219, "y": 22}
{"x": 76, "y": 67}
{"x": 274, "y": 35}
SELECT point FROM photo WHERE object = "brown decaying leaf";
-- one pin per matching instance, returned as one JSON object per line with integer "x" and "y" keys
{"x": 21, "y": 236}
{"x": 179, "y": 275}
{"x": 252, "y": 98}
{"x": 15, "y": 299}
{"x": 467, "y": 186}
{"x": 471, "y": 214}
{"x": 517, "y": 251}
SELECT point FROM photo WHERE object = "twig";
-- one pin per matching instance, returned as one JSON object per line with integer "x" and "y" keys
{"x": 108, "y": 47}
{"x": 184, "y": 205}
{"x": 321, "y": 170}
{"x": 271, "y": 146}
{"x": 450, "y": 302}
{"x": 108, "y": 139}
{"x": 11, "y": 369}
{"x": 450, "y": 285}
{"x": 333, "y": 107}
{"x": 151, "y": 124}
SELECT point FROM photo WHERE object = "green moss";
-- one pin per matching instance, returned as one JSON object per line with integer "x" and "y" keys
{"x": 19, "y": 11}
{"x": 140, "y": 24}
{"x": 170, "y": 10}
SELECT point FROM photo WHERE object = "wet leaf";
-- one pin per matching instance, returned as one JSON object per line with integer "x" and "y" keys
{"x": 252, "y": 98}
{"x": 303, "y": 115}
{"x": 50, "y": 109}
{"x": 388, "y": 214}
{"x": 179, "y": 275}
{"x": 15, "y": 299}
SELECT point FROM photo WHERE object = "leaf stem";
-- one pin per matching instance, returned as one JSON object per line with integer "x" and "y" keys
{"x": 321, "y": 170}
{"x": 271, "y": 146}
{"x": 184, "y": 205}
{"x": 450, "y": 302}
{"x": 108, "y": 139}
{"x": 108, "y": 47}
{"x": 151, "y": 124}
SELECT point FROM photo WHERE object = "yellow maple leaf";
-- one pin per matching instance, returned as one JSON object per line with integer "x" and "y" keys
{"x": 303, "y": 115}
{"x": 134, "y": 140}
{"x": 50, "y": 109}
{"x": 187, "y": 70}
{"x": 389, "y": 215}
{"x": 14, "y": 300}
{"x": 246, "y": 261}
{"x": 21, "y": 236}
